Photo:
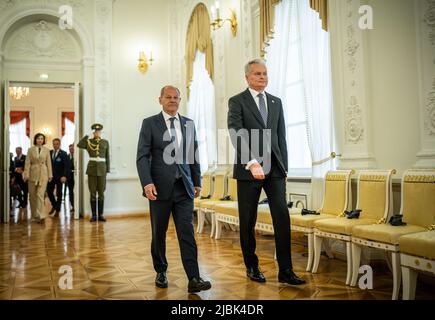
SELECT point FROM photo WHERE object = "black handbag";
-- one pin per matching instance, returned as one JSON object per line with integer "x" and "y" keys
{"x": 396, "y": 220}
{"x": 354, "y": 214}
{"x": 312, "y": 212}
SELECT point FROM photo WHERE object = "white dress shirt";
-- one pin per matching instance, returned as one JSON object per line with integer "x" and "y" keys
{"x": 177, "y": 125}
{"x": 255, "y": 94}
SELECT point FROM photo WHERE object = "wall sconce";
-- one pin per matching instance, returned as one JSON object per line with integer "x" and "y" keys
{"x": 218, "y": 23}
{"x": 144, "y": 62}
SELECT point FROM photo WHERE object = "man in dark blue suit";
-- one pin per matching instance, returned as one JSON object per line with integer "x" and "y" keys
{"x": 171, "y": 178}
{"x": 60, "y": 165}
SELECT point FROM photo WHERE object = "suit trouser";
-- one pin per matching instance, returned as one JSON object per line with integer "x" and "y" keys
{"x": 71, "y": 184}
{"x": 248, "y": 193}
{"x": 181, "y": 206}
{"x": 97, "y": 184}
{"x": 56, "y": 202}
{"x": 36, "y": 195}
{"x": 24, "y": 188}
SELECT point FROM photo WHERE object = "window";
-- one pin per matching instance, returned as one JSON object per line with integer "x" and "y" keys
{"x": 18, "y": 136}
{"x": 201, "y": 109}
{"x": 299, "y": 73}
{"x": 68, "y": 137}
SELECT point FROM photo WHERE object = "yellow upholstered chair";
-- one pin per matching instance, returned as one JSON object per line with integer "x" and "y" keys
{"x": 227, "y": 212}
{"x": 206, "y": 206}
{"x": 206, "y": 189}
{"x": 336, "y": 199}
{"x": 417, "y": 210}
{"x": 417, "y": 255}
{"x": 375, "y": 201}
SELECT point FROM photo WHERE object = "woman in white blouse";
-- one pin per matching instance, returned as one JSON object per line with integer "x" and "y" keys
{"x": 38, "y": 172}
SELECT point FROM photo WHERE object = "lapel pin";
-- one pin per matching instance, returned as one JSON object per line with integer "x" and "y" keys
{"x": 273, "y": 101}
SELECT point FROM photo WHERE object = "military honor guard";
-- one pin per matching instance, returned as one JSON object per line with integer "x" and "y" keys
{"x": 98, "y": 167}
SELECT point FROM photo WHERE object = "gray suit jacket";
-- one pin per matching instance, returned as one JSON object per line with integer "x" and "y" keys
{"x": 271, "y": 142}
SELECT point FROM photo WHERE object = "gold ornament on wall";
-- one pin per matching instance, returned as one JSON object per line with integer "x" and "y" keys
{"x": 144, "y": 62}
{"x": 218, "y": 22}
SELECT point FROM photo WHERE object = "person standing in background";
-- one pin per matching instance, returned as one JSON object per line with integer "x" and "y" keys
{"x": 60, "y": 165}
{"x": 70, "y": 177}
{"x": 38, "y": 172}
{"x": 98, "y": 167}
{"x": 18, "y": 174}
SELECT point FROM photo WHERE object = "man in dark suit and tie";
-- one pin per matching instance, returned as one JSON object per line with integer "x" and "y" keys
{"x": 171, "y": 178}
{"x": 257, "y": 130}
{"x": 19, "y": 161}
{"x": 60, "y": 165}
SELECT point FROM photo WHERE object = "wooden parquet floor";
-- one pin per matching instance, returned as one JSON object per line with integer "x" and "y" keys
{"x": 113, "y": 261}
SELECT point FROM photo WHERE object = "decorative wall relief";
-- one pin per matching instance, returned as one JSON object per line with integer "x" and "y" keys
{"x": 354, "y": 121}
{"x": 429, "y": 19}
{"x": 430, "y": 109}
{"x": 42, "y": 41}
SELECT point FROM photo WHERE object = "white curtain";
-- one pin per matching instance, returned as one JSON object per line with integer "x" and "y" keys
{"x": 300, "y": 72}
{"x": 18, "y": 137}
{"x": 201, "y": 109}
{"x": 68, "y": 138}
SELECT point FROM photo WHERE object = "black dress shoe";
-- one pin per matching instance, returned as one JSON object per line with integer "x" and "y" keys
{"x": 255, "y": 274}
{"x": 288, "y": 276}
{"x": 197, "y": 285}
{"x": 93, "y": 219}
{"x": 161, "y": 280}
{"x": 101, "y": 218}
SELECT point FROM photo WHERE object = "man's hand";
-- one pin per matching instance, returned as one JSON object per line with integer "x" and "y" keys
{"x": 19, "y": 170}
{"x": 197, "y": 191}
{"x": 49, "y": 179}
{"x": 150, "y": 192}
{"x": 257, "y": 171}
{"x": 63, "y": 179}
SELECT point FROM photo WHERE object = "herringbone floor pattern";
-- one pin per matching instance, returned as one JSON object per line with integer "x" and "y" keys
{"x": 112, "y": 261}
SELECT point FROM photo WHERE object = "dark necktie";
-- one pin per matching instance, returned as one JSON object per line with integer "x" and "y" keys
{"x": 174, "y": 140}
{"x": 263, "y": 109}
{"x": 39, "y": 149}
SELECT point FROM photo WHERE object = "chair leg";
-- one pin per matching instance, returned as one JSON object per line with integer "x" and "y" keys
{"x": 274, "y": 256}
{"x": 409, "y": 277}
{"x": 200, "y": 221}
{"x": 310, "y": 251}
{"x": 349, "y": 262}
{"x": 213, "y": 225}
{"x": 327, "y": 247}
{"x": 317, "y": 251}
{"x": 218, "y": 229}
{"x": 356, "y": 262}
{"x": 397, "y": 274}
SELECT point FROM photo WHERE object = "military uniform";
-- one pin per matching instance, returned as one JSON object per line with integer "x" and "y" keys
{"x": 98, "y": 167}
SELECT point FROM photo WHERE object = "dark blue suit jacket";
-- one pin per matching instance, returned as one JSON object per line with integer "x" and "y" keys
{"x": 154, "y": 150}
{"x": 60, "y": 164}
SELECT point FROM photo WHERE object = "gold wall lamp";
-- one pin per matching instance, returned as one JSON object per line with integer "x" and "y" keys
{"x": 144, "y": 62}
{"x": 218, "y": 22}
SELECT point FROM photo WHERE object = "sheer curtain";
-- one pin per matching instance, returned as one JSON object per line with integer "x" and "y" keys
{"x": 299, "y": 68}
{"x": 18, "y": 137}
{"x": 201, "y": 109}
{"x": 68, "y": 138}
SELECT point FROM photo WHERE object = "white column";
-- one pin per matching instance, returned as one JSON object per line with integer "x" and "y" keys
{"x": 103, "y": 69}
{"x": 351, "y": 97}
{"x": 425, "y": 26}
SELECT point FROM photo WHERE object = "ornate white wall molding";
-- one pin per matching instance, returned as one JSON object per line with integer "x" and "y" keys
{"x": 425, "y": 27}
{"x": 103, "y": 67}
{"x": 42, "y": 41}
{"x": 351, "y": 98}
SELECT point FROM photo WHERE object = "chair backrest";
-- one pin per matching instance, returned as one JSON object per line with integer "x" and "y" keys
{"x": 219, "y": 185}
{"x": 206, "y": 180}
{"x": 336, "y": 192}
{"x": 232, "y": 189}
{"x": 375, "y": 189}
{"x": 418, "y": 197}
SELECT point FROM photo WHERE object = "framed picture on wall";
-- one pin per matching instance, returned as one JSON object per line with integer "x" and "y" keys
{"x": 299, "y": 200}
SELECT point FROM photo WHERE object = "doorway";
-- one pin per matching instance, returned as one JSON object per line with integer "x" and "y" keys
{"x": 54, "y": 110}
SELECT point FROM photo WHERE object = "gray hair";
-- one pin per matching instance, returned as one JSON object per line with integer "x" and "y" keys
{"x": 162, "y": 91}
{"x": 255, "y": 61}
